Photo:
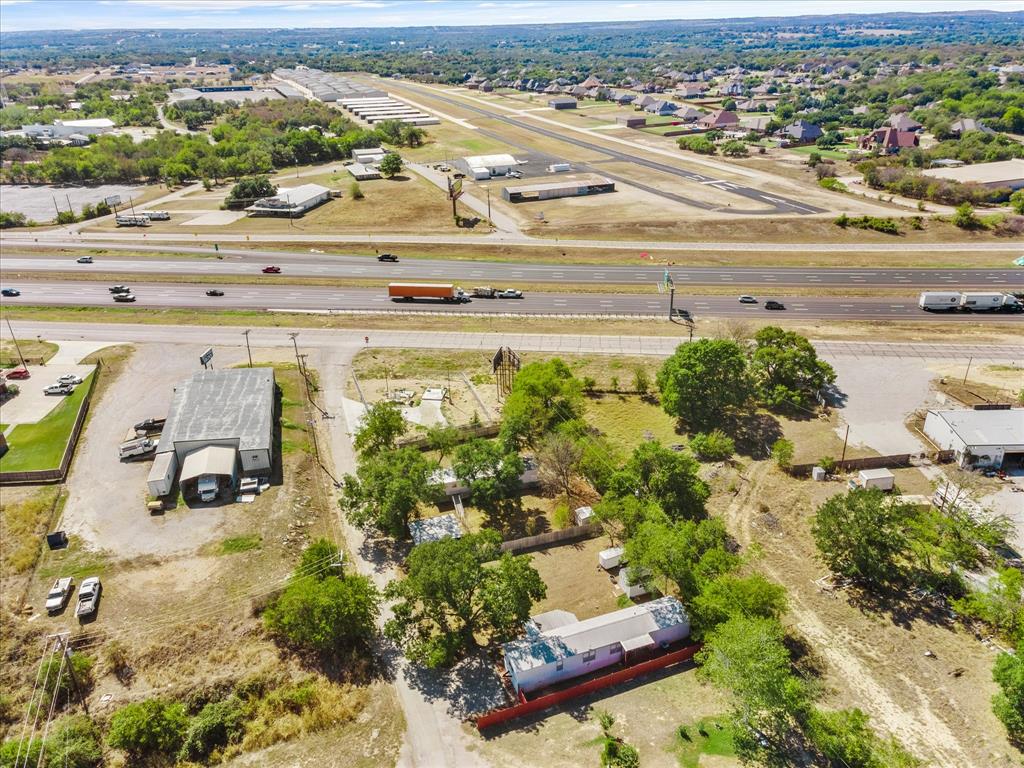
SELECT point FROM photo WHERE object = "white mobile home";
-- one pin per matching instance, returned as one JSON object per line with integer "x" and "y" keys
{"x": 559, "y": 647}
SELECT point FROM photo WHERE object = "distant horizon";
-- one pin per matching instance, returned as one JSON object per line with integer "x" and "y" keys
{"x": 141, "y": 15}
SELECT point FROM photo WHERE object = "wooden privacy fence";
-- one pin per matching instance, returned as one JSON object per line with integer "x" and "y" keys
{"x": 38, "y": 476}
{"x": 525, "y": 707}
{"x": 877, "y": 462}
{"x": 552, "y": 538}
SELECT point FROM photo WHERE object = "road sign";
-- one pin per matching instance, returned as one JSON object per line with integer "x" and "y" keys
{"x": 113, "y": 200}
{"x": 206, "y": 357}
{"x": 455, "y": 189}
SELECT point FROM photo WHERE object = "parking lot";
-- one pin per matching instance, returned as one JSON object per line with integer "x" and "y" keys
{"x": 31, "y": 404}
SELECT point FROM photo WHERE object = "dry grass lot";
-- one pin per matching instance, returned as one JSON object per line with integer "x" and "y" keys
{"x": 575, "y": 581}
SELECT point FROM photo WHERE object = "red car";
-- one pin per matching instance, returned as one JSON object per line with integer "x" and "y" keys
{"x": 271, "y": 270}
{"x": 18, "y": 373}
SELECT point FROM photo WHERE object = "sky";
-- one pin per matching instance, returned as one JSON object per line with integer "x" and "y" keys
{"x": 16, "y": 15}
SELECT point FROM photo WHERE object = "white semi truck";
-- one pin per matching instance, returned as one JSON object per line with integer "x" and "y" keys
{"x": 969, "y": 301}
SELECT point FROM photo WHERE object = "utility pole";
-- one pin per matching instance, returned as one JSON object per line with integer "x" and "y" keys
{"x": 845, "y": 440}
{"x": 969, "y": 361}
{"x": 248, "y": 349}
{"x": 74, "y": 680}
{"x": 295, "y": 344}
{"x": 16, "y": 345}
{"x": 489, "y": 205}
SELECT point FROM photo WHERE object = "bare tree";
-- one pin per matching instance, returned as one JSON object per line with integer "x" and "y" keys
{"x": 559, "y": 458}
{"x": 736, "y": 330}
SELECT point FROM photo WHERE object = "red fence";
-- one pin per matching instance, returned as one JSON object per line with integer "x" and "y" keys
{"x": 497, "y": 716}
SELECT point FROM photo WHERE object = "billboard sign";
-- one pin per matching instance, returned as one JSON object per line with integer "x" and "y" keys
{"x": 455, "y": 189}
{"x": 113, "y": 200}
{"x": 206, "y": 357}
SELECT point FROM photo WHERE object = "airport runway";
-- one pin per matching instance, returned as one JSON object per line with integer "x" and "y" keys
{"x": 777, "y": 203}
{"x": 467, "y": 273}
{"x": 370, "y": 300}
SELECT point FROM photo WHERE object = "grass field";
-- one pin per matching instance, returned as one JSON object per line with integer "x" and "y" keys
{"x": 628, "y": 420}
{"x": 839, "y": 152}
{"x": 708, "y": 736}
{"x": 41, "y": 445}
{"x": 25, "y": 514}
{"x": 34, "y": 352}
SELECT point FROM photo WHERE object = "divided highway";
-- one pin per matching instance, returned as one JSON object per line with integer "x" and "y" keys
{"x": 298, "y": 298}
{"x": 466, "y": 273}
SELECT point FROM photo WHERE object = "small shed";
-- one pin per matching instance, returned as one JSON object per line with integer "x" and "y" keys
{"x": 882, "y": 479}
{"x": 609, "y": 558}
{"x": 626, "y": 584}
{"x": 583, "y": 515}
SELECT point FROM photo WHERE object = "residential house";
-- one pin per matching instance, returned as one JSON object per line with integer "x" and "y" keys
{"x": 688, "y": 114}
{"x": 592, "y": 82}
{"x": 623, "y": 97}
{"x": 689, "y": 90}
{"x": 802, "y": 132}
{"x": 904, "y": 122}
{"x": 889, "y": 140}
{"x": 747, "y": 105}
{"x": 732, "y": 88}
{"x": 965, "y": 124}
{"x": 720, "y": 118}
{"x": 644, "y": 100}
{"x": 661, "y": 107}
{"x": 559, "y": 647}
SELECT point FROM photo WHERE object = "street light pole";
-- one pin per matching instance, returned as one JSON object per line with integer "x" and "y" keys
{"x": 17, "y": 346}
{"x": 248, "y": 349}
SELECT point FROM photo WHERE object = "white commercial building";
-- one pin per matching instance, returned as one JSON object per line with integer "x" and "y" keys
{"x": 559, "y": 647}
{"x": 485, "y": 166}
{"x": 294, "y": 201}
{"x": 219, "y": 422}
{"x": 983, "y": 438}
{"x": 1004, "y": 174}
{"x": 63, "y": 129}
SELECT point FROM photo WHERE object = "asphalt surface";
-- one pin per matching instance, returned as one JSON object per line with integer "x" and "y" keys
{"x": 309, "y": 298}
{"x": 777, "y": 203}
{"x": 305, "y": 264}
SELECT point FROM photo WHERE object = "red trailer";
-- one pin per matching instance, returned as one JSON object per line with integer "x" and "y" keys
{"x": 410, "y": 291}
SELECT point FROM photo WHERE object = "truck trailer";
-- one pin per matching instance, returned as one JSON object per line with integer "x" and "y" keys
{"x": 972, "y": 301}
{"x": 411, "y": 291}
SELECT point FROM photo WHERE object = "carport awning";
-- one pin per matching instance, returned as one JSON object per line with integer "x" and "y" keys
{"x": 638, "y": 642}
{"x": 211, "y": 460}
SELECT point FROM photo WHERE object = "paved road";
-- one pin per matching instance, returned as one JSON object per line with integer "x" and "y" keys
{"x": 299, "y": 297}
{"x": 774, "y": 202}
{"x": 305, "y": 264}
{"x": 486, "y": 343}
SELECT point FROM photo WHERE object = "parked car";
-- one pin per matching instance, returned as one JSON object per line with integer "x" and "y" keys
{"x": 59, "y": 389}
{"x": 215, "y": 292}
{"x": 69, "y": 378}
{"x": 271, "y": 270}
{"x": 59, "y": 593}
{"x": 129, "y": 297}
{"x": 459, "y": 175}
{"x": 510, "y": 293}
{"x": 388, "y": 257}
{"x": 21, "y": 372}
{"x": 150, "y": 425}
{"x": 10, "y": 292}
{"x": 119, "y": 289}
{"x": 515, "y": 174}
{"x": 88, "y": 596}
{"x": 747, "y": 300}
{"x": 84, "y": 259}
{"x": 771, "y": 304}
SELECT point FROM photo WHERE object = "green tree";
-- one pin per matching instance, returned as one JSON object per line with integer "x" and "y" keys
{"x": 782, "y": 453}
{"x": 862, "y": 535}
{"x": 247, "y": 191}
{"x": 146, "y": 728}
{"x": 729, "y": 595}
{"x": 748, "y": 658}
{"x": 491, "y": 473}
{"x": 1017, "y": 202}
{"x": 442, "y": 439}
{"x": 325, "y": 615}
{"x": 685, "y": 553}
{"x": 1008, "y": 703}
{"x": 387, "y": 489}
{"x": 1000, "y": 603}
{"x": 965, "y": 218}
{"x": 787, "y": 368}
{"x": 846, "y": 739}
{"x": 380, "y": 428}
{"x": 453, "y": 595}
{"x": 669, "y": 478}
{"x": 735, "y": 148}
{"x": 390, "y": 165}
{"x": 559, "y": 459}
{"x": 712, "y": 446}
{"x": 703, "y": 381}
{"x": 543, "y": 396}
{"x": 320, "y": 559}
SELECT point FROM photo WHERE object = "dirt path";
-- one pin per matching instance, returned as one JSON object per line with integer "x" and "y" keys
{"x": 872, "y": 661}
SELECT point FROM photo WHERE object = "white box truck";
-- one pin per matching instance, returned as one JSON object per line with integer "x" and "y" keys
{"x": 939, "y": 301}
{"x": 139, "y": 447}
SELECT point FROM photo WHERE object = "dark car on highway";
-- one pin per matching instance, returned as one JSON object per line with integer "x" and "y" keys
{"x": 771, "y": 304}
{"x": 388, "y": 257}
{"x": 215, "y": 292}
{"x": 10, "y": 292}
{"x": 271, "y": 270}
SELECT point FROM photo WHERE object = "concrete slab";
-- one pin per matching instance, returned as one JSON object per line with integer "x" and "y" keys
{"x": 30, "y": 404}
{"x": 72, "y": 351}
{"x": 214, "y": 219}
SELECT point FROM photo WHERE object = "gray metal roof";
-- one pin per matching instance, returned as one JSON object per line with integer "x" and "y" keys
{"x": 233, "y": 403}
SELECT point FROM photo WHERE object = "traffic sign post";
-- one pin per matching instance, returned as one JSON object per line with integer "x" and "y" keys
{"x": 207, "y": 357}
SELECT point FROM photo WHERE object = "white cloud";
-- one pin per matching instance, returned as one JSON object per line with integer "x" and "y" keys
{"x": 5, "y": 3}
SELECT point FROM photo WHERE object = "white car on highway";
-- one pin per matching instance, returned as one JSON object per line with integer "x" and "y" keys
{"x": 510, "y": 293}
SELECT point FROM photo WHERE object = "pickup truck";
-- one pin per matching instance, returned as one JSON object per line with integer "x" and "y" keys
{"x": 119, "y": 289}
{"x": 510, "y": 293}
{"x": 59, "y": 593}
{"x": 138, "y": 447}
{"x": 59, "y": 389}
{"x": 88, "y": 596}
{"x": 129, "y": 297}
{"x": 150, "y": 425}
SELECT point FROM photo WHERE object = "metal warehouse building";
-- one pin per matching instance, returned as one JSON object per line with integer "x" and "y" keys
{"x": 579, "y": 187}
{"x": 979, "y": 438}
{"x": 293, "y": 201}
{"x": 219, "y": 423}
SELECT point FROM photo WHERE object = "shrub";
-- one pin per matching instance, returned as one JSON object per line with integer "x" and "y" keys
{"x": 965, "y": 218}
{"x": 832, "y": 184}
{"x": 842, "y": 221}
{"x": 735, "y": 149}
{"x": 828, "y": 464}
{"x": 217, "y": 724}
{"x": 589, "y": 384}
{"x": 702, "y": 145}
{"x": 782, "y": 453}
{"x": 355, "y": 191}
{"x": 713, "y": 446}
{"x": 324, "y": 615}
{"x": 9, "y": 219}
{"x": 148, "y": 727}
{"x": 74, "y": 743}
{"x": 641, "y": 380}
{"x": 888, "y": 226}
{"x": 80, "y": 664}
